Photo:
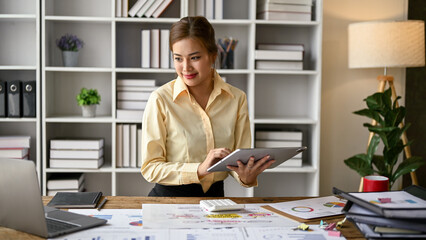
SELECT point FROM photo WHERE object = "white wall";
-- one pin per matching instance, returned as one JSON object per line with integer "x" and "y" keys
{"x": 343, "y": 89}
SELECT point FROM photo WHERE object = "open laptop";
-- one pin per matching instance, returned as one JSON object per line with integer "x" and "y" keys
{"x": 22, "y": 207}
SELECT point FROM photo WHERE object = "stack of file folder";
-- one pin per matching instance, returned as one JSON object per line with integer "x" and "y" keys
{"x": 387, "y": 215}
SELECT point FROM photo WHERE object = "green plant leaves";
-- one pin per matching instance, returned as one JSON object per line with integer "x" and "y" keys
{"x": 408, "y": 165}
{"x": 88, "y": 97}
{"x": 360, "y": 164}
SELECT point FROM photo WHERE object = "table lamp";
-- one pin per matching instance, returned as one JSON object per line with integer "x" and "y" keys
{"x": 384, "y": 45}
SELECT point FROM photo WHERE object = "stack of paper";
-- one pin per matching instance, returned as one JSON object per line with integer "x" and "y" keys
{"x": 16, "y": 147}
{"x": 393, "y": 214}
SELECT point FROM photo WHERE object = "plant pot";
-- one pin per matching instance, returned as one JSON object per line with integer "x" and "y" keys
{"x": 88, "y": 110}
{"x": 70, "y": 58}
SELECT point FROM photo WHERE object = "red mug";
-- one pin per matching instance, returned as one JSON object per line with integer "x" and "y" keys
{"x": 376, "y": 184}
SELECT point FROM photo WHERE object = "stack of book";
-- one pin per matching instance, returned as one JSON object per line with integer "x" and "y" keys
{"x": 211, "y": 9}
{"x": 141, "y": 8}
{"x": 279, "y": 56}
{"x": 76, "y": 153}
{"x": 65, "y": 182}
{"x": 132, "y": 96}
{"x": 155, "y": 51}
{"x": 392, "y": 214}
{"x": 275, "y": 139}
{"x": 288, "y": 10}
{"x": 128, "y": 149}
{"x": 17, "y": 147}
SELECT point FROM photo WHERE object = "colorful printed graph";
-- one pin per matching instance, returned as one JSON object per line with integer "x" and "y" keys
{"x": 136, "y": 223}
{"x": 302, "y": 209}
{"x": 334, "y": 204}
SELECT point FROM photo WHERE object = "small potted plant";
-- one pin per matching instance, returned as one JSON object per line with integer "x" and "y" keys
{"x": 88, "y": 99}
{"x": 70, "y": 45}
{"x": 388, "y": 131}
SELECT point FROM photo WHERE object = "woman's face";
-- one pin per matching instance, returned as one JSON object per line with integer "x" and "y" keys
{"x": 192, "y": 62}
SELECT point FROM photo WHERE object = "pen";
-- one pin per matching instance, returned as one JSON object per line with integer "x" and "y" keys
{"x": 102, "y": 204}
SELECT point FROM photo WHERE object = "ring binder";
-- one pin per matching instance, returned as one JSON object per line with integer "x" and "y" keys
{"x": 14, "y": 104}
{"x": 29, "y": 99}
{"x": 3, "y": 104}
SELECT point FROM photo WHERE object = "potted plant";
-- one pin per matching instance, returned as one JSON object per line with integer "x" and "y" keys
{"x": 70, "y": 45}
{"x": 88, "y": 99}
{"x": 388, "y": 117}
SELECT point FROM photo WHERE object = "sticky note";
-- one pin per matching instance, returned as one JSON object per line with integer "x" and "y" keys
{"x": 384, "y": 200}
{"x": 334, "y": 233}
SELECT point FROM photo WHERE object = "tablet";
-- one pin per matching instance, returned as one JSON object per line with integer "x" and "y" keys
{"x": 280, "y": 155}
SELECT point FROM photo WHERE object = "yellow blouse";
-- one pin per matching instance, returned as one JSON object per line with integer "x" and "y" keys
{"x": 177, "y": 133}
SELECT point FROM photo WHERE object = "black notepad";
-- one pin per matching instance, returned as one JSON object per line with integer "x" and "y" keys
{"x": 75, "y": 200}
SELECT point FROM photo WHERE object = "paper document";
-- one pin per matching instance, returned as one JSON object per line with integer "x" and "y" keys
{"x": 192, "y": 216}
{"x": 310, "y": 208}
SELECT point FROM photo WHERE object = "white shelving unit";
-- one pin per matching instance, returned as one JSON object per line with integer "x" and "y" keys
{"x": 277, "y": 99}
{"x": 20, "y": 60}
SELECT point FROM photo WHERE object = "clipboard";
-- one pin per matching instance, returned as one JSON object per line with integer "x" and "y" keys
{"x": 280, "y": 155}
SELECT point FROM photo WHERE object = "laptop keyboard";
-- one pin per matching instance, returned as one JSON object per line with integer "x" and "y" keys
{"x": 58, "y": 226}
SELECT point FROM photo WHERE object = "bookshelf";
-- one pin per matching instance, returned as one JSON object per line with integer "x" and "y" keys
{"x": 19, "y": 60}
{"x": 278, "y": 99}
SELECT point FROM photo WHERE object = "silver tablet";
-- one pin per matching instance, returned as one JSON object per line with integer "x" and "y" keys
{"x": 280, "y": 155}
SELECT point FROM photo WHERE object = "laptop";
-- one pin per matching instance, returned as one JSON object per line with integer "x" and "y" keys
{"x": 22, "y": 207}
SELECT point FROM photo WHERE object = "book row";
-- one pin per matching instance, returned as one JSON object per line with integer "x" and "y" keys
{"x": 128, "y": 149}
{"x": 133, "y": 94}
{"x": 17, "y": 99}
{"x": 288, "y": 10}
{"x": 210, "y": 9}
{"x": 16, "y": 147}
{"x": 279, "y": 56}
{"x": 76, "y": 153}
{"x": 276, "y": 139}
{"x": 155, "y": 51}
{"x": 141, "y": 8}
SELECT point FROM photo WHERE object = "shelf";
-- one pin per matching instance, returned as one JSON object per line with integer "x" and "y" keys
{"x": 77, "y": 69}
{"x": 304, "y": 72}
{"x": 275, "y": 120}
{"x": 289, "y": 23}
{"x": 145, "y": 20}
{"x": 79, "y": 119}
{"x": 128, "y": 170}
{"x": 303, "y": 169}
{"x": 144, "y": 70}
{"x": 17, "y": 67}
{"x": 18, "y": 119}
{"x": 104, "y": 169}
{"x": 78, "y": 19}
{"x": 18, "y": 16}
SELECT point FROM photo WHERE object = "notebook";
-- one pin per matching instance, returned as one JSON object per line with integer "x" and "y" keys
{"x": 75, "y": 200}
{"x": 22, "y": 207}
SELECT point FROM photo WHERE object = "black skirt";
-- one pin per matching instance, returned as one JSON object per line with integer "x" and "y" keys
{"x": 189, "y": 190}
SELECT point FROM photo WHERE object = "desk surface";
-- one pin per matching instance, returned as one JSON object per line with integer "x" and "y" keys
{"x": 348, "y": 230}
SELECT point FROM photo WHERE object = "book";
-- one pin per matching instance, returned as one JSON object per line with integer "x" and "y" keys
{"x": 155, "y": 48}
{"x": 308, "y": 209}
{"x": 135, "y": 82}
{"x": 152, "y": 8}
{"x": 133, "y": 145}
{"x": 14, "y": 152}
{"x": 76, "y": 163}
{"x": 200, "y": 9}
{"x": 160, "y": 10}
{"x": 118, "y": 5}
{"x": 135, "y": 96}
{"x": 94, "y": 144}
{"x": 139, "y": 146}
{"x": 15, "y": 141}
{"x": 133, "y": 105}
{"x": 76, "y": 154}
{"x": 288, "y": 16}
{"x": 135, "y": 89}
{"x": 218, "y": 9}
{"x": 54, "y": 191}
{"x": 164, "y": 48}
{"x": 298, "y": 2}
{"x": 209, "y": 9}
{"x": 126, "y": 145}
{"x": 359, "y": 214}
{"x": 119, "y": 145}
{"x": 135, "y": 8}
{"x": 145, "y": 48}
{"x": 279, "y": 65}
{"x": 278, "y": 55}
{"x": 281, "y": 47}
{"x": 75, "y": 200}
{"x": 279, "y": 135}
{"x": 408, "y": 203}
{"x": 277, "y": 143}
{"x": 144, "y": 8}
{"x": 369, "y": 232}
{"x": 125, "y": 8}
{"x": 284, "y": 7}
{"x": 65, "y": 181}
{"x": 129, "y": 114}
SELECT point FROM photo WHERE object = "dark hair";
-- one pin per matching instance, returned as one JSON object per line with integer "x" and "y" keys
{"x": 197, "y": 28}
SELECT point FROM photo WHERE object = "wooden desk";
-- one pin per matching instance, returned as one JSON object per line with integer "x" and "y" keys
{"x": 348, "y": 230}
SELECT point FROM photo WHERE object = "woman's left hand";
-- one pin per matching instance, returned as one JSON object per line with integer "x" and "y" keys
{"x": 248, "y": 172}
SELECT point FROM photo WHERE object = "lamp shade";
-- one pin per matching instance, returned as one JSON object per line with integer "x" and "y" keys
{"x": 387, "y": 44}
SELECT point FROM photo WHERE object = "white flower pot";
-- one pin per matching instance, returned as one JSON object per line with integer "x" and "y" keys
{"x": 89, "y": 110}
{"x": 70, "y": 58}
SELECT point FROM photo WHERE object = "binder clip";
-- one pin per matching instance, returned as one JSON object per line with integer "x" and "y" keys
{"x": 302, "y": 227}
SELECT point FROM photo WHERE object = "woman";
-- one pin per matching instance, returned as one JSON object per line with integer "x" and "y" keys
{"x": 195, "y": 120}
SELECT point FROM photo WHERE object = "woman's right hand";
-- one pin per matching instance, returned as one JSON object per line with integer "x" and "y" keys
{"x": 212, "y": 157}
